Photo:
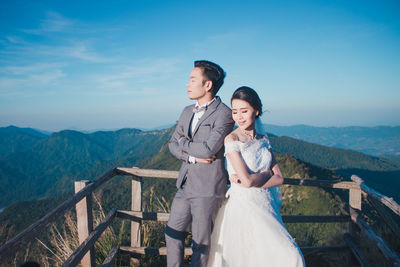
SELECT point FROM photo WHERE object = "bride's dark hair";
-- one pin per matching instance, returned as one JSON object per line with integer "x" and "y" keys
{"x": 249, "y": 95}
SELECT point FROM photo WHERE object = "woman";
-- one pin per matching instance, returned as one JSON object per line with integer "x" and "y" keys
{"x": 248, "y": 228}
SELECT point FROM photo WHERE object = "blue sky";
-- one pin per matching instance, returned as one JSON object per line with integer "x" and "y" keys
{"x": 114, "y": 64}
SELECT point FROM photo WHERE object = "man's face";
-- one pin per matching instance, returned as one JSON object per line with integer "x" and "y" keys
{"x": 196, "y": 87}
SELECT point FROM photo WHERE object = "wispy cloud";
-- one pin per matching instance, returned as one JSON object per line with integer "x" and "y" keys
{"x": 147, "y": 70}
{"x": 76, "y": 50}
{"x": 20, "y": 80}
{"x": 29, "y": 69}
{"x": 81, "y": 51}
{"x": 54, "y": 22}
{"x": 46, "y": 77}
{"x": 14, "y": 39}
{"x": 226, "y": 40}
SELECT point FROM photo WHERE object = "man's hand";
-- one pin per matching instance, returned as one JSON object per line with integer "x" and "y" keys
{"x": 268, "y": 173}
{"x": 208, "y": 161}
{"x": 181, "y": 138}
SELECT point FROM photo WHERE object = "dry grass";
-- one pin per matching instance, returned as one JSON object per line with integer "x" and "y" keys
{"x": 63, "y": 238}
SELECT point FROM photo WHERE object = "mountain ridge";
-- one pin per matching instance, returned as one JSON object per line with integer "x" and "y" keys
{"x": 377, "y": 141}
{"x": 53, "y": 162}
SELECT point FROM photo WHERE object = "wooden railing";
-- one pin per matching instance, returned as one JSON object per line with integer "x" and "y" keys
{"x": 84, "y": 254}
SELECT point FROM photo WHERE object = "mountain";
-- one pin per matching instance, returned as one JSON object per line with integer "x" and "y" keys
{"x": 158, "y": 194}
{"x": 47, "y": 165}
{"x": 50, "y": 165}
{"x": 380, "y": 140}
{"x": 381, "y": 174}
{"x": 14, "y": 139}
{"x": 330, "y": 157}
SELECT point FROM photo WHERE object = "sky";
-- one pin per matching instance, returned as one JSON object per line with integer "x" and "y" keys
{"x": 90, "y": 65}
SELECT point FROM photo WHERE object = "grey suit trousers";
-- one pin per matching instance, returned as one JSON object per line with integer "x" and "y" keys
{"x": 199, "y": 213}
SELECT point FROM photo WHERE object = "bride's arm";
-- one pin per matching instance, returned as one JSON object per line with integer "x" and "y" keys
{"x": 244, "y": 177}
{"x": 277, "y": 176}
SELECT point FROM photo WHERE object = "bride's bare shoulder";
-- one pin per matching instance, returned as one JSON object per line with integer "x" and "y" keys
{"x": 231, "y": 137}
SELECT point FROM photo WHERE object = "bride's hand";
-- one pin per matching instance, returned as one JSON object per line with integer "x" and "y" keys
{"x": 234, "y": 179}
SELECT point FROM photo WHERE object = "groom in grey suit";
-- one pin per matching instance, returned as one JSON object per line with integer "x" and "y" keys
{"x": 198, "y": 142}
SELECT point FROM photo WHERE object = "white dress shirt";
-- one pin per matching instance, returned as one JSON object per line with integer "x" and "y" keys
{"x": 196, "y": 118}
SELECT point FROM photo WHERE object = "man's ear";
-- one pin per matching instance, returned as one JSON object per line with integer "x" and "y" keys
{"x": 257, "y": 112}
{"x": 208, "y": 85}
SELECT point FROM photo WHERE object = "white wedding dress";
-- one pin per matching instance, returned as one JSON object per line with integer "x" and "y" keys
{"x": 248, "y": 229}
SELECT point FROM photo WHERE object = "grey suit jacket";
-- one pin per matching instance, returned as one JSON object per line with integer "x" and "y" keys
{"x": 201, "y": 179}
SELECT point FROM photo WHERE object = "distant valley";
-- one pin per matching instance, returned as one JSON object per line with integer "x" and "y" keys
{"x": 382, "y": 141}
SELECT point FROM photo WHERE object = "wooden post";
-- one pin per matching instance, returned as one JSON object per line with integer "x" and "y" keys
{"x": 355, "y": 200}
{"x": 136, "y": 205}
{"x": 84, "y": 219}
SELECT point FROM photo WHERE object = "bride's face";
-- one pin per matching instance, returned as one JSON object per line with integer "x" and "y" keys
{"x": 243, "y": 114}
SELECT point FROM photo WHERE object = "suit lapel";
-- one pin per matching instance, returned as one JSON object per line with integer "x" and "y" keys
{"x": 210, "y": 110}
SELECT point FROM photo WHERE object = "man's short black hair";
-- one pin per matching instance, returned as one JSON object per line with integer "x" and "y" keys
{"x": 212, "y": 72}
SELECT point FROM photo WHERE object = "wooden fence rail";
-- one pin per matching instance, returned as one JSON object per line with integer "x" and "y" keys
{"x": 81, "y": 200}
{"x": 10, "y": 247}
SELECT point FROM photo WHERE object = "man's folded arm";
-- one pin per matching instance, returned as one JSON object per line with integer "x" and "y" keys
{"x": 174, "y": 146}
{"x": 208, "y": 148}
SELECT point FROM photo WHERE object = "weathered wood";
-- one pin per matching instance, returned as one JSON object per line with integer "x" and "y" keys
{"x": 138, "y": 215}
{"x": 387, "y": 201}
{"x": 9, "y": 248}
{"x": 291, "y": 181}
{"x": 188, "y": 251}
{"x": 321, "y": 183}
{"x": 136, "y": 205}
{"x": 78, "y": 254}
{"x": 150, "y": 251}
{"x": 378, "y": 241}
{"x": 108, "y": 262}
{"x": 355, "y": 198}
{"x": 356, "y": 250}
{"x": 84, "y": 219}
{"x": 385, "y": 215}
{"x": 148, "y": 173}
{"x": 163, "y": 217}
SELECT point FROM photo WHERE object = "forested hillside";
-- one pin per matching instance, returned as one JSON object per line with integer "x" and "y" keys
{"x": 48, "y": 167}
{"x": 158, "y": 194}
{"x": 381, "y": 174}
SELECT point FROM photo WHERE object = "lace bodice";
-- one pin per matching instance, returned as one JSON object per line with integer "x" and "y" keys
{"x": 258, "y": 158}
{"x": 255, "y": 154}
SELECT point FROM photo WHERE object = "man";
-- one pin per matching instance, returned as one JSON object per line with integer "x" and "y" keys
{"x": 198, "y": 142}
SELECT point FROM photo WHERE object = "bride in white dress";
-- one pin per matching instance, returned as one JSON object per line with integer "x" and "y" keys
{"x": 248, "y": 229}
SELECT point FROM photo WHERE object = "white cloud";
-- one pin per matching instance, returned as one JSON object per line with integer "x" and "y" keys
{"x": 54, "y": 22}
{"x": 23, "y": 84}
{"x": 46, "y": 78}
{"x": 144, "y": 71}
{"x": 77, "y": 50}
{"x": 225, "y": 40}
{"x": 82, "y": 52}
{"x": 29, "y": 69}
{"x": 14, "y": 39}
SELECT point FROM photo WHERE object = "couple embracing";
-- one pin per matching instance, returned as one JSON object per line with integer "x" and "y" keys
{"x": 241, "y": 227}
